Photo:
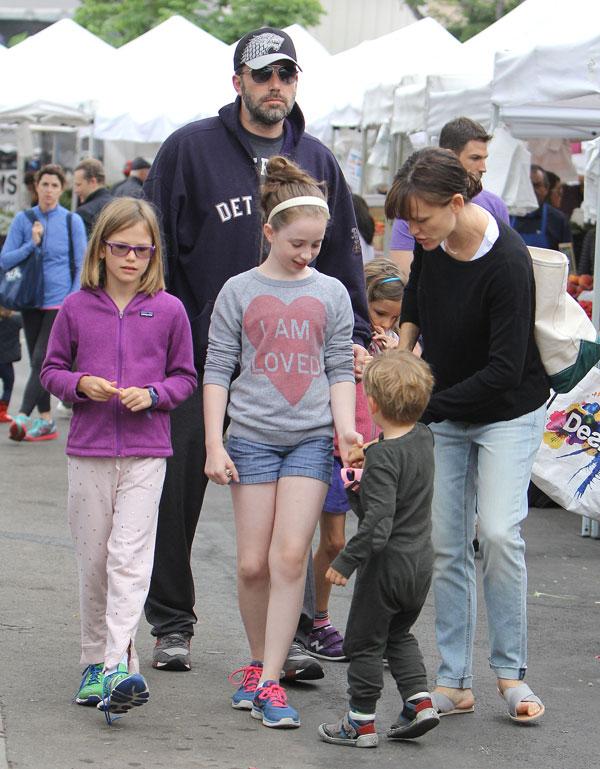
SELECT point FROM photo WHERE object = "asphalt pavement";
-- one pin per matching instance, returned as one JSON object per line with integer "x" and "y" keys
{"x": 189, "y": 723}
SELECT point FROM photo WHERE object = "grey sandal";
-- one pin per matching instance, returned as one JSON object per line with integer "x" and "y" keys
{"x": 514, "y": 695}
{"x": 447, "y": 707}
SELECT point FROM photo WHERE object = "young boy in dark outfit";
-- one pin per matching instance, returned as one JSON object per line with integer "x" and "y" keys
{"x": 393, "y": 554}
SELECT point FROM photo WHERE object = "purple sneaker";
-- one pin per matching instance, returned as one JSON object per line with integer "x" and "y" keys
{"x": 326, "y": 643}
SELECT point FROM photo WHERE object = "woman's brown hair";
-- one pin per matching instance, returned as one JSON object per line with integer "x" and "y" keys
{"x": 434, "y": 175}
{"x": 118, "y": 215}
{"x": 51, "y": 169}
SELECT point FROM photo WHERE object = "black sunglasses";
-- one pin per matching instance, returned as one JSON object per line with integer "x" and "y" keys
{"x": 287, "y": 73}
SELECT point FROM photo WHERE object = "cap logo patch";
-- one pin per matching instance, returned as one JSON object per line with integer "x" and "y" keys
{"x": 268, "y": 42}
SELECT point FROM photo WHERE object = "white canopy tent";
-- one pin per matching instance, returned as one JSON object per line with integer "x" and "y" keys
{"x": 555, "y": 35}
{"x": 551, "y": 90}
{"x": 63, "y": 64}
{"x": 169, "y": 76}
{"x": 316, "y": 63}
{"x": 20, "y": 123}
{"x": 336, "y": 98}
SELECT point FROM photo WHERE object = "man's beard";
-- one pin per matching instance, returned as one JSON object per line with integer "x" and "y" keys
{"x": 266, "y": 115}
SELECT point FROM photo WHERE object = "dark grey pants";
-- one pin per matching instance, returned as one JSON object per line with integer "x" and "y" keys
{"x": 37, "y": 325}
{"x": 388, "y": 597}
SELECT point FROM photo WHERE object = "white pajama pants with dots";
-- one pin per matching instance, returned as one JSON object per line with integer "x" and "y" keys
{"x": 113, "y": 511}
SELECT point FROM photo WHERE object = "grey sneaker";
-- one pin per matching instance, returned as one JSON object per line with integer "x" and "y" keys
{"x": 172, "y": 652}
{"x": 300, "y": 666}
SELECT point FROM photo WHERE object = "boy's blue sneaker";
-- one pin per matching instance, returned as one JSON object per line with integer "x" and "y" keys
{"x": 417, "y": 718}
{"x": 90, "y": 688}
{"x": 349, "y": 732}
{"x": 42, "y": 430}
{"x": 18, "y": 427}
{"x": 270, "y": 706}
{"x": 122, "y": 691}
{"x": 242, "y": 699}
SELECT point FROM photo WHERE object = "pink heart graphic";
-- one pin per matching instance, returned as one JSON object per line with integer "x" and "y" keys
{"x": 288, "y": 340}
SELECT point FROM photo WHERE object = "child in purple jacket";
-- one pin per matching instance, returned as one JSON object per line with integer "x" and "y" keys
{"x": 121, "y": 351}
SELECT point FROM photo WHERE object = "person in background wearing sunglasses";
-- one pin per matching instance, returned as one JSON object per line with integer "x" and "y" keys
{"x": 204, "y": 183}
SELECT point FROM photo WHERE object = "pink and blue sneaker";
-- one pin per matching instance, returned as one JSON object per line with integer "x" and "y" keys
{"x": 271, "y": 707}
{"x": 244, "y": 696}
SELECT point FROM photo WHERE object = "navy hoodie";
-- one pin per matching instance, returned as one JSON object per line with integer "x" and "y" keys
{"x": 205, "y": 185}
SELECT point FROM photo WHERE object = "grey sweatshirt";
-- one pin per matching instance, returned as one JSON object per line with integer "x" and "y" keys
{"x": 292, "y": 340}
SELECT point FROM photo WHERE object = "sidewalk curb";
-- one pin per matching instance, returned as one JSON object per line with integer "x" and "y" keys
{"x": 3, "y": 758}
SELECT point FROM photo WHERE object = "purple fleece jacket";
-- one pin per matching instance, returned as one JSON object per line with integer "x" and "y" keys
{"x": 148, "y": 344}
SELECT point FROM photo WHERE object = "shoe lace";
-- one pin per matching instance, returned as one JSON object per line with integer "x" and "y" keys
{"x": 275, "y": 694}
{"x": 94, "y": 672}
{"x": 106, "y": 692}
{"x": 250, "y": 676}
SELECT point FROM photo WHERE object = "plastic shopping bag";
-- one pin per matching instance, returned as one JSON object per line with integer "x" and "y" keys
{"x": 567, "y": 465}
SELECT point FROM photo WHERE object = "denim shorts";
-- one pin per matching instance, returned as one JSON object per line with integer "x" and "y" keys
{"x": 336, "y": 501}
{"x": 261, "y": 463}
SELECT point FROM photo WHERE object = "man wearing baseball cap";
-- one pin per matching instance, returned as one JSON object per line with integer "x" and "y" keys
{"x": 132, "y": 186}
{"x": 204, "y": 183}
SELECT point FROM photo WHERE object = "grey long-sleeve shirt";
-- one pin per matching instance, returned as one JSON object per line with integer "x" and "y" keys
{"x": 292, "y": 340}
{"x": 393, "y": 502}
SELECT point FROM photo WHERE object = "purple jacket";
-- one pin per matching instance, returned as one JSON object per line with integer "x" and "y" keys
{"x": 148, "y": 344}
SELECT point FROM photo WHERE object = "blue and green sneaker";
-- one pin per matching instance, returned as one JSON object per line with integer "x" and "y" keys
{"x": 90, "y": 688}
{"x": 122, "y": 691}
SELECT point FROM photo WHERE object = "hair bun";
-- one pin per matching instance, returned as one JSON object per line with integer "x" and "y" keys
{"x": 285, "y": 180}
{"x": 474, "y": 185}
{"x": 283, "y": 171}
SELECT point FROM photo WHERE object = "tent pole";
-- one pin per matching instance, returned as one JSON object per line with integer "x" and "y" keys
{"x": 588, "y": 526}
{"x": 363, "y": 170}
{"x": 596, "y": 293}
{"x": 495, "y": 118}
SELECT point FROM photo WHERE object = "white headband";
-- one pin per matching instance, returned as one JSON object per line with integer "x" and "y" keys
{"x": 303, "y": 200}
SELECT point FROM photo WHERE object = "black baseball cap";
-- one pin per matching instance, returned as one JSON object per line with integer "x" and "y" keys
{"x": 264, "y": 46}
{"x": 139, "y": 163}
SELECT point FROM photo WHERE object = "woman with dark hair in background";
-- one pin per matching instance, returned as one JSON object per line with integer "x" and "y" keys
{"x": 61, "y": 237}
{"x": 471, "y": 297}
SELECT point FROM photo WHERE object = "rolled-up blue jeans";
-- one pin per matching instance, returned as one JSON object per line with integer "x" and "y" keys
{"x": 483, "y": 470}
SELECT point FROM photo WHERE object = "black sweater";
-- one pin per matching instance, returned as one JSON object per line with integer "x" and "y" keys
{"x": 476, "y": 319}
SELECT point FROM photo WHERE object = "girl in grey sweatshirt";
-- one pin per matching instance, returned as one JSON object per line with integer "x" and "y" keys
{"x": 289, "y": 330}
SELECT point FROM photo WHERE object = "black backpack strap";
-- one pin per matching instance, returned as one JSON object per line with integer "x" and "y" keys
{"x": 71, "y": 250}
{"x": 30, "y": 214}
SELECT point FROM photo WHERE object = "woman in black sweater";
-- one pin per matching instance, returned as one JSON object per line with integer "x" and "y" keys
{"x": 471, "y": 297}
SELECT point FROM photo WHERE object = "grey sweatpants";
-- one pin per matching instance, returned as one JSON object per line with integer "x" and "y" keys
{"x": 389, "y": 594}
